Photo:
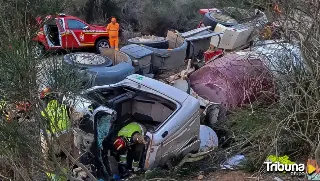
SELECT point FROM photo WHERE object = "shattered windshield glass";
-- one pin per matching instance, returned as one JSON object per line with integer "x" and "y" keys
{"x": 103, "y": 126}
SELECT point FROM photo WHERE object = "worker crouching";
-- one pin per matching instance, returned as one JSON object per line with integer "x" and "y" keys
{"x": 130, "y": 141}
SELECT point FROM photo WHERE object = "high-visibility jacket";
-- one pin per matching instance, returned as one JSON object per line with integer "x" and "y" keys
{"x": 57, "y": 115}
{"x": 113, "y": 30}
{"x": 56, "y": 177}
{"x": 132, "y": 128}
{"x": 2, "y": 104}
{"x": 3, "y": 111}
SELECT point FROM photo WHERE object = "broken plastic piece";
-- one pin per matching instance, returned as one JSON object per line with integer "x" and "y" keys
{"x": 208, "y": 137}
{"x": 233, "y": 162}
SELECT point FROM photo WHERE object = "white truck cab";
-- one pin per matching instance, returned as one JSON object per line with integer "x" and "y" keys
{"x": 171, "y": 116}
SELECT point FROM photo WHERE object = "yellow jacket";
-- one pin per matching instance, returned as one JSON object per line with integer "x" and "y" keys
{"x": 2, "y": 104}
{"x": 57, "y": 115}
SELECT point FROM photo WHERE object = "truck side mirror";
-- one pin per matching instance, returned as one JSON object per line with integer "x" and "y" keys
{"x": 86, "y": 28}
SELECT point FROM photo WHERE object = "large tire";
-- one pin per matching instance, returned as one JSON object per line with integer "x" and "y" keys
{"x": 88, "y": 60}
{"x": 213, "y": 18}
{"x": 102, "y": 43}
{"x": 101, "y": 69}
{"x": 160, "y": 44}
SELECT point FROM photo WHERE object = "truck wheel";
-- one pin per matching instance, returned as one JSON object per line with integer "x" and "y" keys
{"x": 150, "y": 41}
{"x": 103, "y": 43}
{"x": 213, "y": 18}
{"x": 215, "y": 113}
{"x": 38, "y": 50}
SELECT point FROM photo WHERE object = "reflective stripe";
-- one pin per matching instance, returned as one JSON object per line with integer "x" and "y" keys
{"x": 75, "y": 37}
{"x": 119, "y": 147}
{"x": 142, "y": 129}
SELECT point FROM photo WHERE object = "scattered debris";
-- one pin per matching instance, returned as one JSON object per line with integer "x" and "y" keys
{"x": 277, "y": 179}
{"x": 182, "y": 85}
{"x": 193, "y": 158}
{"x": 233, "y": 162}
{"x": 274, "y": 52}
{"x": 200, "y": 177}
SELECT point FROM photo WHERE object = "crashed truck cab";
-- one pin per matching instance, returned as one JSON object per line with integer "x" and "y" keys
{"x": 170, "y": 115}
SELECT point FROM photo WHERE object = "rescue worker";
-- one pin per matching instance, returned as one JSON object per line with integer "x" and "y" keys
{"x": 113, "y": 31}
{"x": 130, "y": 140}
{"x": 6, "y": 110}
{"x": 3, "y": 113}
{"x": 59, "y": 122}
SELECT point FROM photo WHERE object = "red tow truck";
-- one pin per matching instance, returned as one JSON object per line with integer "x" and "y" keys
{"x": 65, "y": 32}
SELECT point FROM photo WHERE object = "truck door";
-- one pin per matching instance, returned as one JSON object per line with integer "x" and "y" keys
{"x": 64, "y": 35}
{"x": 178, "y": 136}
{"x": 103, "y": 119}
{"x": 76, "y": 27}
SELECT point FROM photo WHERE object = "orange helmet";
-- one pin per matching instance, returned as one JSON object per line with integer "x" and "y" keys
{"x": 120, "y": 143}
{"x": 45, "y": 92}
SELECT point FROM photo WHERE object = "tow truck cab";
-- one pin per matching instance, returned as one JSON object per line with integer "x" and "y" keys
{"x": 69, "y": 32}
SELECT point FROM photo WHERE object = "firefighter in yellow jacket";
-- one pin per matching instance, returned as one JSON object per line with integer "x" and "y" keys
{"x": 4, "y": 114}
{"x": 113, "y": 31}
{"x": 58, "y": 122}
{"x": 130, "y": 140}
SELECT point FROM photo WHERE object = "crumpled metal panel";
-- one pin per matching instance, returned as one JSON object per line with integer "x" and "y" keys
{"x": 232, "y": 80}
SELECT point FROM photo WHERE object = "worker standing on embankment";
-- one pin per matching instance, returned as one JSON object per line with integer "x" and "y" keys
{"x": 113, "y": 31}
